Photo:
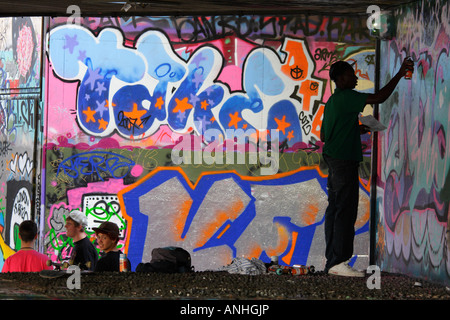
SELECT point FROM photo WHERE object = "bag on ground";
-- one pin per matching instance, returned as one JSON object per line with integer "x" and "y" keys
{"x": 167, "y": 260}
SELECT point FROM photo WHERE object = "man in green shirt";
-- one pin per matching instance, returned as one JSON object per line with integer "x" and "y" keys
{"x": 342, "y": 153}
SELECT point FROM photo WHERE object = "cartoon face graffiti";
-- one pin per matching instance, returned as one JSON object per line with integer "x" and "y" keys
{"x": 21, "y": 211}
{"x": 103, "y": 207}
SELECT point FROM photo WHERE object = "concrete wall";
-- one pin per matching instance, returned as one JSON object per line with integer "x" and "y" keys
{"x": 20, "y": 126}
{"x": 134, "y": 106}
{"x": 413, "y": 186}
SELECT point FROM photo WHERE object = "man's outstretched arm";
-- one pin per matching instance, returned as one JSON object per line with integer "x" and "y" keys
{"x": 387, "y": 90}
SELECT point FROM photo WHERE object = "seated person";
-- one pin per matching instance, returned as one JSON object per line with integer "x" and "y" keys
{"x": 27, "y": 259}
{"x": 107, "y": 238}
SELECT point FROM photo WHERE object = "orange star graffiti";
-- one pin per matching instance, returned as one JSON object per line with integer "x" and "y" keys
{"x": 204, "y": 104}
{"x": 234, "y": 119}
{"x": 89, "y": 114}
{"x": 290, "y": 135}
{"x": 108, "y": 105}
{"x": 102, "y": 124}
{"x": 159, "y": 103}
{"x": 282, "y": 124}
{"x": 136, "y": 115}
{"x": 182, "y": 105}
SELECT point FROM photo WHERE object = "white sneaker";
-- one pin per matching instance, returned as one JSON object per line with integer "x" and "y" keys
{"x": 343, "y": 269}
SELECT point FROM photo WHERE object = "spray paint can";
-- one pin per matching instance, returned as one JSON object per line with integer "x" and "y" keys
{"x": 123, "y": 265}
{"x": 274, "y": 260}
{"x": 281, "y": 271}
{"x": 299, "y": 270}
{"x": 272, "y": 269}
{"x": 273, "y": 265}
{"x": 309, "y": 269}
{"x": 409, "y": 72}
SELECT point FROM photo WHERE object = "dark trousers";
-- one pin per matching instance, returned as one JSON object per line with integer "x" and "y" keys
{"x": 342, "y": 210}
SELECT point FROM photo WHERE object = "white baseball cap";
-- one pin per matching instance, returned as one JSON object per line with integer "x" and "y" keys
{"x": 79, "y": 217}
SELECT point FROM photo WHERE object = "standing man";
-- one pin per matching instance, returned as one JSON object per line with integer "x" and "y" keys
{"x": 27, "y": 259}
{"x": 83, "y": 251}
{"x": 342, "y": 153}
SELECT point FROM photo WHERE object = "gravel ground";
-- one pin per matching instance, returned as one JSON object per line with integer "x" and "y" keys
{"x": 219, "y": 295}
{"x": 219, "y": 286}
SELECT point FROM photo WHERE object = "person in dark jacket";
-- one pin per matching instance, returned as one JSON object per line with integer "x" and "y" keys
{"x": 84, "y": 253}
{"x": 107, "y": 238}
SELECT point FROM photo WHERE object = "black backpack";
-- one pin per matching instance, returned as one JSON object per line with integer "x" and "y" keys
{"x": 167, "y": 260}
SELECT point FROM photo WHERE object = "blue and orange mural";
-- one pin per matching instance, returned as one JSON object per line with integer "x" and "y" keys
{"x": 124, "y": 95}
{"x": 413, "y": 190}
{"x": 203, "y": 132}
{"x": 121, "y": 98}
{"x": 20, "y": 126}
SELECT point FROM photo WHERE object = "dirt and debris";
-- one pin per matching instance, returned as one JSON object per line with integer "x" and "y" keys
{"x": 219, "y": 285}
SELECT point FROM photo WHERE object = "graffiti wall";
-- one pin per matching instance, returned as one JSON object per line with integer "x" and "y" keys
{"x": 199, "y": 132}
{"x": 20, "y": 126}
{"x": 413, "y": 186}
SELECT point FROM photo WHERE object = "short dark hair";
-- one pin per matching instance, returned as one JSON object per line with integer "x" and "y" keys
{"x": 27, "y": 230}
{"x": 338, "y": 68}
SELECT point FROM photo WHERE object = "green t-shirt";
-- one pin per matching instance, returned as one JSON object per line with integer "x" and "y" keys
{"x": 340, "y": 125}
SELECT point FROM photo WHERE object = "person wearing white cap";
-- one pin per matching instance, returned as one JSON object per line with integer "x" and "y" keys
{"x": 83, "y": 251}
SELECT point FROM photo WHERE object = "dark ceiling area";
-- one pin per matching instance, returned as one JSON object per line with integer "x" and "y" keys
{"x": 192, "y": 7}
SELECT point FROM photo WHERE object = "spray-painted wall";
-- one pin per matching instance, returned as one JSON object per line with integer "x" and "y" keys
{"x": 413, "y": 186}
{"x": 143, "y": 114}
{"x": 20, "y": 126}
